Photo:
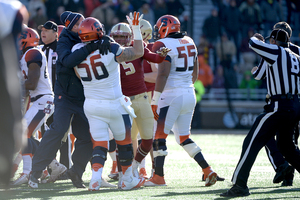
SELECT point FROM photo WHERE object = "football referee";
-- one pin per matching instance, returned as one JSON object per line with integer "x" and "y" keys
{"x": 282, "y": 112}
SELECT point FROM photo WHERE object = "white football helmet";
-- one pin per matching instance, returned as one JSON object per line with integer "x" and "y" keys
{"x": 146, "y": 29}
{"x": 121, "y": 33}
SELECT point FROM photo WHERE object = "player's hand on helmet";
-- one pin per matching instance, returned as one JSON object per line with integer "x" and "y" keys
{"x": 92, "y": 46}
{"x": 134, "y": 20}
{"x": 163, "y": 51}
{"x": 154, "y": 110}
{"x": 104, "y": 45}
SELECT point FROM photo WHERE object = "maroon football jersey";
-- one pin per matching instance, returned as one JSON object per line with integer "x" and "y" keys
{"x": 147, "y": 69}
{"x": 132, "y": 73}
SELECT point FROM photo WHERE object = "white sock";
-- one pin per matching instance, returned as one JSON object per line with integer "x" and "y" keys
{"x": 113, "y": 155}
{"x": 97, "y": 174}
{"x": 143, "y": 164}
{"x": 27, "y": 164}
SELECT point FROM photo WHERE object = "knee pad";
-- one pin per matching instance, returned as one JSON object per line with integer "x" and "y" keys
{"x": 190, "y": 147}
{"x": 99, "y": 155}
{"x": 112, "y": 145}
{"x": 125, "y": 154}
{"x": 159, "y": 148}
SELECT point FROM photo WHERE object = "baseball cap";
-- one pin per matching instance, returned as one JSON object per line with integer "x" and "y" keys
{"x": 279, "y": 35}
{"x": 49, "y": 25}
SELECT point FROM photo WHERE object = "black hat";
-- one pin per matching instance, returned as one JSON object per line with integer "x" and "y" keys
{"x": 69, "y": 19}
{"x": 49, "y": 25}
{"x": 279, "y": 35}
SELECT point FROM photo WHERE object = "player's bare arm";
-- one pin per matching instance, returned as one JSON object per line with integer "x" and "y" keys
{"x": 162, "y": 76}
{"x": 151, "y": 77}
{"x": 195, "y": 70}
{"x": 32, "y": 76}
{"x": 132, "y": 53}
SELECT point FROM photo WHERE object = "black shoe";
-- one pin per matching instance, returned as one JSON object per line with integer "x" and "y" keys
{"x": 76, "y": 180}
{"x": 63, "y": 177}
{"x": 236, "y": 191}
{"x": 281, "y": 172}
{"x": 218, "y": 178}
{"x": 287, "y": 182}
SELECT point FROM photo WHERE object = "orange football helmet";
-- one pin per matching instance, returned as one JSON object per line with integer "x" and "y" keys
{"x": 59, "y": 30}
{"x": 165, "y": 25}
{"x": 90, "y": 29}
{"x": 28, "y": 38}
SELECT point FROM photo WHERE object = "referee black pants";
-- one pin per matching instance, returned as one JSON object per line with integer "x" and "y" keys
{"x": 280, "y": 117}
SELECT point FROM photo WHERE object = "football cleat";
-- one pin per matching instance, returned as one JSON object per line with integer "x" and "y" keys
{"x": 114, "y": 176}
{"x": 114, "y": 171}
{"x": 21, "y": 180}
{"x": 95, "y": 184}
{"x": 132, "y": 182}
{"x": 33, "y": 182}
{"x": 236, "y": 191}
{"x": 58, "y": 170}
{"x": 210, "y": 176}
{"x": 45, "y": 176}
{"x": 143, "y": 173}
{"x": 156, "y": 180}
{"x": 106, "y": 184}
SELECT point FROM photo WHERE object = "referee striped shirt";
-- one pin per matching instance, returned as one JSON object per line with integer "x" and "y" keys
{"x": 281, "y": 67}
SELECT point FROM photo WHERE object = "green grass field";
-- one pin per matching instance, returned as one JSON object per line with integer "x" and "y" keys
{"x": 182, "y": 175}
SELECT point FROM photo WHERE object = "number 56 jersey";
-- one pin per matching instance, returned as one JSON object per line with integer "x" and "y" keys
{"x": 182, "y": 56}
{"x": 100, "y": 74}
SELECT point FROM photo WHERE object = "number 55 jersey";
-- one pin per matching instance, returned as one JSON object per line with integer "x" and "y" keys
{"x": 182, "y": 55}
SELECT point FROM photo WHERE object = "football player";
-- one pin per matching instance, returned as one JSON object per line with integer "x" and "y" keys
{"x": 105, "y": 106}
{"x": 38, "y": 87}
{"x": 174, "y": 100}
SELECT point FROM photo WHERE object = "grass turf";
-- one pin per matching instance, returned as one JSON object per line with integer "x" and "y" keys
{"x": 182, "y": 175}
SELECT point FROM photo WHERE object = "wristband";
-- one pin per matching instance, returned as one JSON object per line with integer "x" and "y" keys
{"x": 136, "y": 32}
{"x": 155, "y": 98}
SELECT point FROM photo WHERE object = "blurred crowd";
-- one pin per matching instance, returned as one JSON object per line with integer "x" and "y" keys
{"x": 224, "y": 56}
{"x": 226, "y": 31}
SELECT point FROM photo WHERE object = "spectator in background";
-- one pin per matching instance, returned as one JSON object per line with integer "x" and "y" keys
{"x": 248, "y": 55}
{"x": 122, "y": 9}
{"x": 105, "y": 14}
{"x": 219, "y": 81}
{"x": 248, "y": 82}
{"x": 205, "y": 74}
{"x": 148, "y": 13}
{"x": 293, "y": 15}
{"x": 56, "y": 18}
{"x": 271, "y": 13}
{"x": 39, "y": 18}
{"x": 211, "y": 29}
{"x": 52, "y": 6}
{"x": 159, "y": 8}
{"x": 90, "y": 5}
{"x": 226, "y": 51}
{"x": 203, "y": 48}
{"x": 175, "y": 7}
{"x": 231, "y": 21}
{"x": 75, "y": 6}
{"x": 250, "y": 16}
{"x": 33, "y": 5}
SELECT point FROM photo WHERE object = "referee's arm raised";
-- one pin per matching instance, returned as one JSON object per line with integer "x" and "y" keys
{"x": 269, "y": 52}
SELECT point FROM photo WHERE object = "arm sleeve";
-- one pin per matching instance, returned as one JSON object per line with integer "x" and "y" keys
{"x": 66, "y": 57}
{"x": 260, "y": 73}
{"x": 152, "y": 57}
{"x": 268, "y": 52}
{"x": 34, "y": 56}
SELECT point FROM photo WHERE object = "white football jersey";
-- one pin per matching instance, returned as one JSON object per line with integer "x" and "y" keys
{"x": 44, "y": 84}
{"x": 100, "y": 75}
{"x": 183, "y": 53}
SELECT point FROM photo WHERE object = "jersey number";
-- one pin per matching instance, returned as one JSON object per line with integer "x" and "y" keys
{"x": 94, "y": 65}
{"x": 185, "y": 52}
{"x": 295, "y": 64}
{"x": 128, "y": 66}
